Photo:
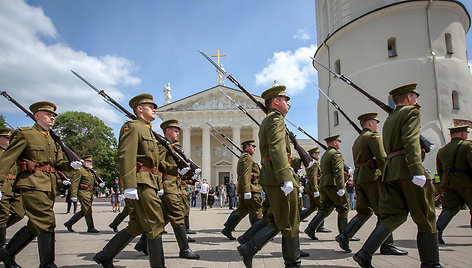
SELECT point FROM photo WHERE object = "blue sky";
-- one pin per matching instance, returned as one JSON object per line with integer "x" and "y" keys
{"x": 127, "y": 48}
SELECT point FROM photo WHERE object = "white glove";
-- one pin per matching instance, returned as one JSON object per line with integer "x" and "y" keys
{"x": 131, "y": 193}
{"x": 247, "y": 195}
{"x": 419, "y": 180}
{"x": 183, "y": 171}
{"x": 101, "y": 184}
{"x": 160, "y": 192}
{"x": 0, "y": 195}
{"x": 73, "y": 199}
{"x": 76, "y": 164}
{"x": 287, "y": 188}
{"x": 341, "y": 192}
{"x": 299, "y": 172}
{"x": 65, "y": 182}
{"x": 350, "y": 171}
{"x": 300, "y": 194}
{"x": 316, "y": 194}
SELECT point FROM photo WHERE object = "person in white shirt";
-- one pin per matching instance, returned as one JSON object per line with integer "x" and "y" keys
{"x": 204, "y": 193}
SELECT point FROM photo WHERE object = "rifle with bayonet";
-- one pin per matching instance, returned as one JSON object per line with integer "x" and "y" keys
{"x": 306, "y": 158}
{"x": 426, "y": 145}
{"x": 183, "y": 165}
{"x": 226, "y": 138}
{"x": 69, "y": 153}
{"x": 354, "y": 125}
{"x": 226, "y": 146}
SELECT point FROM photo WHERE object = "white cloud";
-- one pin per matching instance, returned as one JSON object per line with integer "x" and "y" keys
{"x": 31, "y": 70}
{"x": 302, "y": 34}
{"x": 292, "y": 69}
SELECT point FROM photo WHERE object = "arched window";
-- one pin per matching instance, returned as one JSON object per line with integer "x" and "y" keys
{"x": 449, "y": 47}
{"x": 392, "y": 47}
{"x": 455, "y": 100}
{"x": 336, "y": 118}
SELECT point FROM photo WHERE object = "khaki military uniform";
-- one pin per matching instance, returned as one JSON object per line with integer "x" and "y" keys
{"x": 332, "y": 180}
{"x": 138, "y": 148}
{"x": 38, "y": 188}
{"x": 82, "y": 184}
{"x": 367, "y": 150}
{"x": 275, "y": 153}
{"x": 400, "y": 196}
{"x": 248, "y": 182}
{"x": 313, "y": 175}
{"x": 11, "y": 204}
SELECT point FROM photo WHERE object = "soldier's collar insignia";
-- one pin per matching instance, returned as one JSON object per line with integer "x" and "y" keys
{"x": 149, "y": 125}
{"x": 45, "y": 133}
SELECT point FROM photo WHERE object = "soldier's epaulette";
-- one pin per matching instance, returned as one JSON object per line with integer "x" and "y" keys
{"x": 375, "y": 135}
{"x": 25, "y": 128}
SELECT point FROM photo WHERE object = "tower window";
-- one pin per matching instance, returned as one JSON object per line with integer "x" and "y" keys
{"x": 392, "y": 47}
{"x": 449, "y": 48}
{"x": 336, "y": 118}
{"x": 455, "y": 100}
{"x": 337, "y": 66}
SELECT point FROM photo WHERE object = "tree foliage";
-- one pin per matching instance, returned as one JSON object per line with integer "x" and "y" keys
{"x": 2, "y": 121}
{"x": 86, "y": 134}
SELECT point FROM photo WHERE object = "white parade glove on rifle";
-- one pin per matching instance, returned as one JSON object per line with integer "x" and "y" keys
{"x": 65, "y": 182}
{"x": 316, "y": 194}
{"x": 76, "y": 164}
{"x": 101, "y": 184}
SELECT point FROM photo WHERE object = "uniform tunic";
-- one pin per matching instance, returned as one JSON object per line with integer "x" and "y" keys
{"x": 38, "y": 189}
{"x": 332, "y": 180}
{"x": 313, "y": 174}
{"x": 400, "y": 195}
{"x": 11, "y": 205}
{"x": 82, "y": 185}
{"x": 457, "y": 185}
{"x": 368, "y": 146}
{"x": 138, "y": 145}
{"x": 275, "y": 148}
{"x": 248, "y": 182}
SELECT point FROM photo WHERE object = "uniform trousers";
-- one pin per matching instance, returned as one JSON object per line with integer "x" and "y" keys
{"x": 368, "y": 196}
{"x": 11, "y": 206}
{"x": 331, "y": 200}
{"x": 39, "y": 207}
{"x": 458, "y": 191}
{"x": 85, "y": 198}
{"x": 283, "y": 210}
{"x": 251, "y": 206}
{"x": 174, "y": 208}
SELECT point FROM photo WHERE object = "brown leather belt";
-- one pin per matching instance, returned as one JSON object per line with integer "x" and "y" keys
{"x": 267, "y": 159}
{"x": 370, "y": 163}
{"x": 85, "y": 187}
{"x": 396, "y": 153}
{"x": 167, "y": 176}
{"x": 141, "y": 167}
{"x": 10, "y": 177}
{"x": 31, "y": 167}
{"x": 361, "y": 164}
{"x": 46, "y": 168}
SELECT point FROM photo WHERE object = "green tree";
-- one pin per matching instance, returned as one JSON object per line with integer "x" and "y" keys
{"x": 2, "y": 121}
{"x": 85, "y": 134}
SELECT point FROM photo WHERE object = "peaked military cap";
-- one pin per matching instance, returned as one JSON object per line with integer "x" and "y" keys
{"x": 368, "y": 116}
{"x": 332, "y": 138}
{"x": 410, "y": 88}
{"x": 87, "y": 158}
{"x": 314, "y": 150}
{"x": 43, "y": 106}
{"x": 274, "y": 91}
{"x": 170, "y": 123}
{"x": 458, "y": 129}
{"x": 142, "y": 99}
{"x": 248, "y": 142}
{"x": 5, "y": 132}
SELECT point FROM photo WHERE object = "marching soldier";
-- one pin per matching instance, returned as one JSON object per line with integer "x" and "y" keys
{"x": 82, "y": 184}
{"x": 11, "y": 203}
{"x": 369, "y": 158}
{"x": 405, "y": 187}
{"x": 118, "y": 219}
{"x": 332, "y": 188}
{"x": 277, "y": 182}
{"x": 454, "y": 166}
{"x": 139, "y": 159}
{"x": 38, "y": 156}
{"x": 173, "y": 200}
{"x": 249, "y": 190}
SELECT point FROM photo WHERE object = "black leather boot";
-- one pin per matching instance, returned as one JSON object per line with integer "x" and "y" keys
{"x": 342, "y": 223}
{"x": 3, "y": 236}
{"x": 364, "y": 256}
{"x": 352, "y": 227}
{"x": 90, "y": 225}
{"x": 313, "y": 225}
{"x": 46, "y": 243}
{"x": 185, "y": 251}
{"x": 141, "y": 246}
{"x": 443, "y": 220}
{"x": 17, "y": 243}
{"x": 230, "y": 224}
{"x": 291, "y": 251}
{"x": 388, "y": 248}
{"x": 156, "y": 252}
{"x": 118, "y": 219}
{"x": 428, "y": 248}
{"x": 256, "y": 227}
{"x": 252, "y": 219}
{"x": 304, "y": 213}
{"x": 322, "y": 229}
{"x": 114, "y": 246}
{"x": 256, "y": 243}
{"x": 75, "y": 218}
{"x": 187, "y": 225}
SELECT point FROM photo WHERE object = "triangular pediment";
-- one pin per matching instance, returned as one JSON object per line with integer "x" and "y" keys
{"x": 222, "y": 163}
{"x": 211, "y": 99}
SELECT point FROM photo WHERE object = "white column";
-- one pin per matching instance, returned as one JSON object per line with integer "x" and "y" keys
{"x": 206, "y": 154}
{"x": 237, "y": 140}
{"x": 186, "y": 140}
{"x": 255, "y": 136}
